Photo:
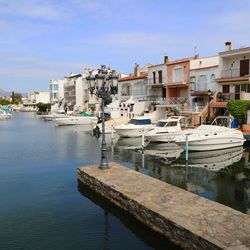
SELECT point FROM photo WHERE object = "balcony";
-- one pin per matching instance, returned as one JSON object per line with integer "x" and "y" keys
{"x": 177, "y": 100}
{"x": 157, "y": 83}
{"x": 234, "y": 74}
{"x": 184, "y": 81}
{"x": 157, "y": 99}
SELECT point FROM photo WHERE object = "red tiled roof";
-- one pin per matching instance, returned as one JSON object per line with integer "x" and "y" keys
{"x": 133, "y": 77}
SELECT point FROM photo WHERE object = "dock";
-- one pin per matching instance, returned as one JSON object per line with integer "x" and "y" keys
{"x": 186, "y": 219}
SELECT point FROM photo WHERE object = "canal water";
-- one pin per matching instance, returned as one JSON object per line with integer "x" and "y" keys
{"x": 42, "y": 205}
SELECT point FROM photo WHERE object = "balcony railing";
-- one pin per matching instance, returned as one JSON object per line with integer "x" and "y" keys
{"x": 183, "y": 81}
{"x": 157, "y": 81}
{"x": 157, "y": 99}
{"x": 230, "y": 73}
{"x": 177, "y": 100}
{"x": 225, "y": 97}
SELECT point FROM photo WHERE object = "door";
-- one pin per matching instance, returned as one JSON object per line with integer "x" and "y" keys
{"x": 244, "y": 67}
{"x": 237, "y": 92}
{"x": 225, "y": 88}
{"x": 225, "y": 91}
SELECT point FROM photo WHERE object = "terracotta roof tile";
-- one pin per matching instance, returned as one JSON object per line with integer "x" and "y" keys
{"x": 133, "y": 77}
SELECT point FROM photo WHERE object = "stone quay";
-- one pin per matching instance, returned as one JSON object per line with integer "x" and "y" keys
{"x": 186, "y": 219}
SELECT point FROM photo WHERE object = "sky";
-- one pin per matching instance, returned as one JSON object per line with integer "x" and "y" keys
{"x": 48, "y": 39}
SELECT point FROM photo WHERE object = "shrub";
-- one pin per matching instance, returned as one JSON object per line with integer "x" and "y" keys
{"x": 43, "y": 107}
{"x": 238, "y": 109}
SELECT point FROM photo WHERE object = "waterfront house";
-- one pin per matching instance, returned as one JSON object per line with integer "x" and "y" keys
{"x": 134, "y": 85}
{"x": 234, "y": 75}
{"x": 157, "y": 82}
{"x": 203, "y": 72}
{"x": 73, "y": 90}
{"x": 178, "y": 82}
{"x": 56, "y": 88}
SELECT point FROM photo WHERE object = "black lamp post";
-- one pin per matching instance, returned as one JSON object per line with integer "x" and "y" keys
{"x": 103, "y": 84}
{"x": 209, "y": 93}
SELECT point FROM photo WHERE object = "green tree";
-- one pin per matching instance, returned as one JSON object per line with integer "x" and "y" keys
{"x": 43, "y": 107}
{"x": 16, "y": 98}
{"x": 238, "y": 109}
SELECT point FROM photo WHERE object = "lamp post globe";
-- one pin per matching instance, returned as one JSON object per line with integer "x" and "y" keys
{"x": 103, "y": 84}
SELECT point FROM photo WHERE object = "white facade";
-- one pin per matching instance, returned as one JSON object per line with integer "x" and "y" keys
{"x": 157, "y": 82}
{"x": 134, "y": 85}
{"x": 203, "y": 75}
{"x": 56, "y": 88}
{"x": 36, "y": 97}
{"x": 234, "y": 73}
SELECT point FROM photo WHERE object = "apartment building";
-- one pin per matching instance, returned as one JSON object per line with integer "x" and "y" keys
{"x": 203, "y": 72}
{"x": 157, "y": 82}
{"x": 56, "y": 88}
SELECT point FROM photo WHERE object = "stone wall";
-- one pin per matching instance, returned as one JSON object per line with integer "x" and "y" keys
{"x": 168, "y": 210}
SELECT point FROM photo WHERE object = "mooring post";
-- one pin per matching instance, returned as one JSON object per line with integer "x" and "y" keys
{"x": 112, "y": 133}
{"x": 142, "y": 141}
{"x": 186, "y": 148}
{"x": 92, "y": 129}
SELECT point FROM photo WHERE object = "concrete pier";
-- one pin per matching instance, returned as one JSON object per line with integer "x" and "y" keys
{"x": 188, "y": 220}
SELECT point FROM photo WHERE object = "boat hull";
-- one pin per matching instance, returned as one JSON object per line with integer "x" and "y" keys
{"x": 85, "y": 120}
{"x": 212, "y": 144}
{"x": 132, "y": 132}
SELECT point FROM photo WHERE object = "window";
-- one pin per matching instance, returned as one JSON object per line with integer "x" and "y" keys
{"x": 55, "y": 86}
{"x": 201, "y": 84}
{"x": 248, "y": 88}
{"x": 154, "y": 78}
{"x": 178, "y": 74}
{"x": 243, "y": 87}
{"x": 212, "y": 77}
{"x": 160, "y": 76}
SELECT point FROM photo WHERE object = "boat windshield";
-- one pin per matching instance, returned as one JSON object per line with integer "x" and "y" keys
{"x": 140, "y": 121}
{"x": 167, "y": 124}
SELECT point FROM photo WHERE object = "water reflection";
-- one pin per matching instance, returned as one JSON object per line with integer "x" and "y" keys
{"x": 222, "y": 175}
{"x": 214, "y": 160}
{"x": 151, "y": 238}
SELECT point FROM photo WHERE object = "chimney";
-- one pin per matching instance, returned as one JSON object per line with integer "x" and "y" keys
{"x": 165, "y": 59}
{"x": 228, "y": 45}
{"x": 137, "y": 70}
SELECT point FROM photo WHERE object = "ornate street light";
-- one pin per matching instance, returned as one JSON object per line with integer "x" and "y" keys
{"x": 103, "y": 84}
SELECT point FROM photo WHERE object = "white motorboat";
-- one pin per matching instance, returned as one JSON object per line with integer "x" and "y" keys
{"x": 135, "y": 127}
{"x": 4, "y": 114}
{"x": 53, "y": 116}
{"x": 210, "y": 137}
{"x": 167, "y": 130}
{"x": 77, "y": 120}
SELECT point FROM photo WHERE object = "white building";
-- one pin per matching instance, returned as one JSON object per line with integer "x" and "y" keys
{"x": 203, "y": 74}
{"x": 134, "y": 85}
{"x": 157, "y": 82}
{"x": 234, "y": 73}
{"x": 38, "y": 96}
{"x": 56, "y": 88}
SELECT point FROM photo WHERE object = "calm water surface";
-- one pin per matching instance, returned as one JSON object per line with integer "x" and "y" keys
{"x": 44, "y": 207}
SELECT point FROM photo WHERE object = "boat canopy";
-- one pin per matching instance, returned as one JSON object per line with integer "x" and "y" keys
{"x": 140, "y": 121}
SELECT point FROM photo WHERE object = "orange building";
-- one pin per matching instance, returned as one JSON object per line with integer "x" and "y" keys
{"x": 178, "y": 81}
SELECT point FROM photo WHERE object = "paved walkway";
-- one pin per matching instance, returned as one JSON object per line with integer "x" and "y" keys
{"x": 186, "y": 219}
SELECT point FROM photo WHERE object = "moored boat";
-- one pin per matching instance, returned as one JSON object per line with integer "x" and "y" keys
{"x": 210, "y": 137}
{"x": 77, "y": 120}
{"x": 135, "y": 127}
{"x": 167, "y": 130}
